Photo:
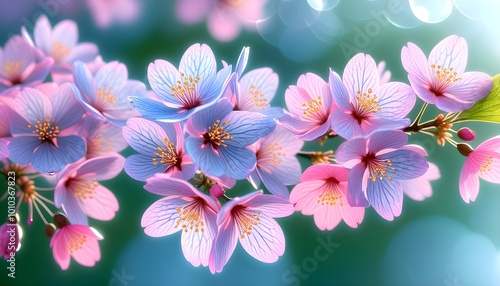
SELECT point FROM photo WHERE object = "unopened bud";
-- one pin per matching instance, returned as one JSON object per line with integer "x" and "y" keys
{"x": 464, "y": 149}
{"x": 49, "y": 229}
{"x": 216, "y": 191}
{"x": 60, "y": 220}
{"x": 466, "y": 134}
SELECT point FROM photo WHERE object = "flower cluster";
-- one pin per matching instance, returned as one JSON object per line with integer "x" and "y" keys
{"x": 203, "y": 127}
{"x": 61, "y": 137}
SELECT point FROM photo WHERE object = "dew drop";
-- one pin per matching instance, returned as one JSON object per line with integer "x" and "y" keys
{"x": 51, "y": 173}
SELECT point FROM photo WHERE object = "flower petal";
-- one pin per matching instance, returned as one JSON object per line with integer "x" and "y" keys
{"x": 468, "y": 183}
{"x": 196, "y": 245}
{"x": 345, "y": 125}
{"x": 22, "y": 148}
{"x": 356, "y": 195}
{"x": 472, "y": 87}
{"x": 49, "y": 158}
{"x": 140, "y": 167}
{"x": 451, "y": 52}
{"x": 224, "y": 245}
{"x": 144, "y": 136}
{"x": 160, "y": 218}
{"x": 205, "y": 157}
{"x": 266, "y": 242}
{"x": 360, "y": 75}
{"x": 406, "y": 164}
{"x": 246, "y": 127}
{"x": 395, "y": 99}
{"x": 386, "y": 139}
{"x": 271, "y": 205}
{"x": 386, "y": 197}
{"x": 350, "y": 152}
{"x": 258, "y": 88}
{"x": 101, "y": 205}
{"x": 198, "y": 62}
{"x": 339, "y": 91}
{"x": 239, "y": 162}
{"x": 416, "y": 65}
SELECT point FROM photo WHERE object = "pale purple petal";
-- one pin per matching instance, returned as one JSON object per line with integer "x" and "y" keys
{"x": 451, "y": 52}
{"x": 161, "y": 217}
{"x": 472, "y": 87}
{"x": 351, "y": 151}
{"x": 360, "y": 75}
{"x": 395, "y": 99}
{"x": 356, "y": 195}
{"x": 387, "y": 139}
{"x": 266, "y": 242}
{"x": 224, "y": 245}
{"x": 386, "y": 197}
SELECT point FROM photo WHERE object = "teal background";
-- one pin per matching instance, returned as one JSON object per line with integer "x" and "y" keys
{"x": 440, "y": 241}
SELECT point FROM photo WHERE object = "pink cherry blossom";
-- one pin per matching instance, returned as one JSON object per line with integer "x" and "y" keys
{"x": 249, "y": 219}
{"x": 277, "y": 164}
{"x": 322, "y": 192}
{"x": 21, "y": 65}
{"x": 77, "y": 241}
{"x": 441, "y": 79}
{"x": 105, "y": 12}
{"x": 225, "y": 17}
{"x": 79, "y": 193}
{"x": 185, "y": 209}
{"x": 61, "y": 44}
{"x": 484, "y": 163}
{"x": 364, "y": 104}
{"x": 310, "y": 106}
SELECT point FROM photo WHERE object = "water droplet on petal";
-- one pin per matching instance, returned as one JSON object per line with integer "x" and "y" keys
{"x": 132, "y": 104}
{"x": 51, "y": 173}
{"x": 431, "y": 11}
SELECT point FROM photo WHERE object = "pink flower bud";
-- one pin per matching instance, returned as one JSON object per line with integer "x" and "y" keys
{"x": 466, "y": 134}
{"x": 216, "y": 191}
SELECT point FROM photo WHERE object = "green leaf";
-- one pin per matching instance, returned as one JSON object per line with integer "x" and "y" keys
{"x": 486, "y": 109}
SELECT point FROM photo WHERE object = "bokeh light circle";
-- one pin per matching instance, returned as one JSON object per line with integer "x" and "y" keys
{"x": 323, "y": 5}
{"x": 431, "y": 11}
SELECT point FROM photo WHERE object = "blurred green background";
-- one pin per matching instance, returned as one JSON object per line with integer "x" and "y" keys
{"x": 439, "y": 241}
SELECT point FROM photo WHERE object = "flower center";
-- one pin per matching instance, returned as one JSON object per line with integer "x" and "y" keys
{"x": 186, "y": 91}
{"x": 46, "y": 129}
{"x": 100, "y": 144}
{"x": 312, "y": 107}
{"x": 378, "y": 168}
{"x": 83, "y": 188}
{"x": 486, "y": 166}
{"x": 190, "y": 216}
{"x": 11, "y": 70}
{"x": 331, "y": 194}
{"x": 75, "y": 242}
{"x": 216, "y": 136}
{"x": 245, "y": 219}
{"x": 257, "y": 97}
{"x": 166, "y": 155}
{"x": 366, "y": 103}
{"x": 106, "y": 96}
{"x": 59, "y": 50}
{"x": 445, "y": 75}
